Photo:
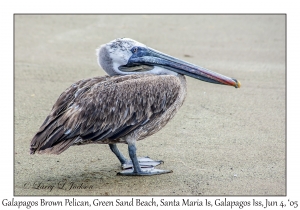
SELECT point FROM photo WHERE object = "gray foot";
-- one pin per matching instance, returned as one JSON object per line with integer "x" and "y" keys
{"x": 137, "y": 166}
{"x": 145, "y": 162}
{"x": 143, "y": 172}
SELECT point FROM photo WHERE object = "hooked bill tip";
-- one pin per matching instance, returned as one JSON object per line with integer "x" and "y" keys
{"x": 238, "y": 84}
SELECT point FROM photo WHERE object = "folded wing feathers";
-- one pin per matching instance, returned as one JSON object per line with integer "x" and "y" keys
{"x": 104, "y": 107}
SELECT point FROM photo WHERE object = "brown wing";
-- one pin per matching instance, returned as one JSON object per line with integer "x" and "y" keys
{"x": 104, "y": 108}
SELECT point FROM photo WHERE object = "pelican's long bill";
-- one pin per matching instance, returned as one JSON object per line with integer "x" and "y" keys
{"x": 144, "y": 58}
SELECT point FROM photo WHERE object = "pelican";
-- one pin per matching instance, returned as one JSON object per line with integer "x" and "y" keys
{"x": 143, "y": 90}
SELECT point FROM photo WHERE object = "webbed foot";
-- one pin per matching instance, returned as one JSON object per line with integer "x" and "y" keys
{"x": 145, "y": 162}
{"x": 142, "y": 166}
{"x": 143, "y": 172}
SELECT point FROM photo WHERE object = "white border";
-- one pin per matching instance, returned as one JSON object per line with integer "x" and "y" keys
{"x": 293, "y": 66}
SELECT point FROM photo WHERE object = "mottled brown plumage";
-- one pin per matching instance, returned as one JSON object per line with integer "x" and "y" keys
{"x": 143, "y": 91}
{"x": 109, "y": 109}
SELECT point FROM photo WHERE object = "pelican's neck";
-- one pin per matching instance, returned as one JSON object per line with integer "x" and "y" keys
{"x": 183, "y": 88}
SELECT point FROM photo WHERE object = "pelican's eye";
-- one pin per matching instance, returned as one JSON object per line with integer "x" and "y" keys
{"x": 134, "y": 50}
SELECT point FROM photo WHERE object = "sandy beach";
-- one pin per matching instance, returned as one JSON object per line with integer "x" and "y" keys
{"x": 223, "y": 141}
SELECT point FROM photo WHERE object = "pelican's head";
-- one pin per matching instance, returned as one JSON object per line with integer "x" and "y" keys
{"x": 126, "y": 56}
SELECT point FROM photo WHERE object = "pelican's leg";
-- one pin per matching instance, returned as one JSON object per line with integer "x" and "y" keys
{"x": 117, "y": 152}
{"x": 137, "y": 170}
{"x": 145, "y": 162}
